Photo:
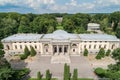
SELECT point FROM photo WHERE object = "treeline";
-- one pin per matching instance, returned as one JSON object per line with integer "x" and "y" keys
{"x": 12, "y": 23}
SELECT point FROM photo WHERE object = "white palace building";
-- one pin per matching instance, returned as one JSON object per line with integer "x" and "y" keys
{"x": 60, "y": 43}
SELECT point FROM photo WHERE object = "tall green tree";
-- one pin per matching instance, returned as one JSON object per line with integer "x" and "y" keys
{"x": 75, "y": 75}
{"x": 32, "y": 52}
{"x": 48, "y": 75}
{"x": 39, "y": 77}
{"x": 26, "y": 51}
{"x": 114, "y": 19}
{"x": 118, "y": 32}
{"x": 116, "y": 54}
{"x": 85, "y": 52}
{"x": 101, "y": 54}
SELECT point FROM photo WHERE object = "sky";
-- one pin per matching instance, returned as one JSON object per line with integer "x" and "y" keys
{"x": 60, "y": 6}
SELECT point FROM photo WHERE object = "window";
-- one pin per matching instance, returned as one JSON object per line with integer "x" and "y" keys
{"x": 20, "y": 46}
{"x": 73, "y": 50}
{"x": 35, "y": 47}
{"x": 113, "y": 46}
{"x": 65, "y": 49}
{"x": 84, "y": 46}
{"x": 104, "y": 46}
{"x": 55, "y": 49}
{"x": 94, "y": 46}
{"x": 74, "y": 45}
{"x": 8, "y": 48}
{"x": 99, "y": 46}
{"x": 89, "y": 46}
{"x": 46, "y": 50}
{"x": 90, "y": 41}
{"x": 15, "y": 46}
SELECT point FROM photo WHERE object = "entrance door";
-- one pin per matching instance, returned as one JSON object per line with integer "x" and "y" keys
{"x": 60, "y": 49}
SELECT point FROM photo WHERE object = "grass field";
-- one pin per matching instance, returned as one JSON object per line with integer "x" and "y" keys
{"x": 57, "y": 79}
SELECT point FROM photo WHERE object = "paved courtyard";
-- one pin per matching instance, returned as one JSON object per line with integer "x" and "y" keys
{"x": 43, "y": 63}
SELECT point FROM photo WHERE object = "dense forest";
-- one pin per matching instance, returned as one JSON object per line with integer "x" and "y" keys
{"x": 12, "y": 23}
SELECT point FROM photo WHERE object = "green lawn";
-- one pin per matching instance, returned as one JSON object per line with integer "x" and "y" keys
{"x": 42, "y": 79}
{"x": 85, "y": 79}
{"x": 60, "y": 27}
{"x": 57, "y": 79}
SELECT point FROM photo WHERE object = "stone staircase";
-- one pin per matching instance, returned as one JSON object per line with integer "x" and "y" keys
{"x": 60, "y": 59}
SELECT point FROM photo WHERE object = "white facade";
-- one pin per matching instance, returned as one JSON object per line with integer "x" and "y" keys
{"x": 60, "y": 42}
{"x": 93, "y": 27}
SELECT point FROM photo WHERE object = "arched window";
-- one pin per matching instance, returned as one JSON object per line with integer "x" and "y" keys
{"x": 74, "y": 45}
{"x": 46, "y": 45}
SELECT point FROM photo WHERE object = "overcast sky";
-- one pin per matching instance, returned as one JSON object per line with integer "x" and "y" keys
{"x": 60, "y": 6}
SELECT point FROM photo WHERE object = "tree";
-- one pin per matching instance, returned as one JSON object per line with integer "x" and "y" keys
{"x": 75, "y": 75}
{"x": 39, "y": 77}
{"x": 66, "y": 72}
{"x": 32, "y": 52}
{"x": 101, "y": 54}
{"x": 108, "y": 52}
{"x": 118, "y": 32}
{"x": 26, "y": 51}
{"x": 114, "y": 19}
{"x": 6, "y": 73}
{"x": 116, "y": 54}
{"x": 48, "y": 75}
{"x": 1, "y": 45}
{"x": 85, "y": 52}
{"x": 100, "y": 72}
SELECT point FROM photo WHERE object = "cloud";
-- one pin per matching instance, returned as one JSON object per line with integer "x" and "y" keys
{"x": 71, "y": 6}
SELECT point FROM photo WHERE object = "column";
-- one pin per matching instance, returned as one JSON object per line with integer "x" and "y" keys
{"x": 63, "y": 49}
{"x": 57, "y": 49}
{"x": 68, "y": 49}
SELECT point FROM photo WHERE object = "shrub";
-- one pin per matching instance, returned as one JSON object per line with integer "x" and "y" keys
{"x": 100, "y": 72}
{"x": 32, "y": 52}
{"x": 23, "y": 56}
{"x": 48, "y": 76}
{"x": 66, "y": 72}
{"x": 108, "y": 52}
{"x": 75, "y": 75}
{"x": 98, "y": 56}
{"x": 26, "y": 51}
{"x": 102, "y": 52}
{"x": 85, "y": 52}
{"x": 39, "y": 77}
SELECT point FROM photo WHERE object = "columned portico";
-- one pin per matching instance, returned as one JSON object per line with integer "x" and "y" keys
{"x": 60, "y": 49}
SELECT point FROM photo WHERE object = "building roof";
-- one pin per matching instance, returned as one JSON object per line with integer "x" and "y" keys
{"x": 23, "y": 37}
{"x": 60, "y": 34}
{"x": 93, "y": 25}
{"x": 98, "y": 37}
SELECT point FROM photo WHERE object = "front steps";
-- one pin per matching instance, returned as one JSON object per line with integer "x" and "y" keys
{"x": 60, "y": 59}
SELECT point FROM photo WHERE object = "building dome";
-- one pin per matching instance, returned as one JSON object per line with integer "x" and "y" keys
{"x": 60, "y": 32}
